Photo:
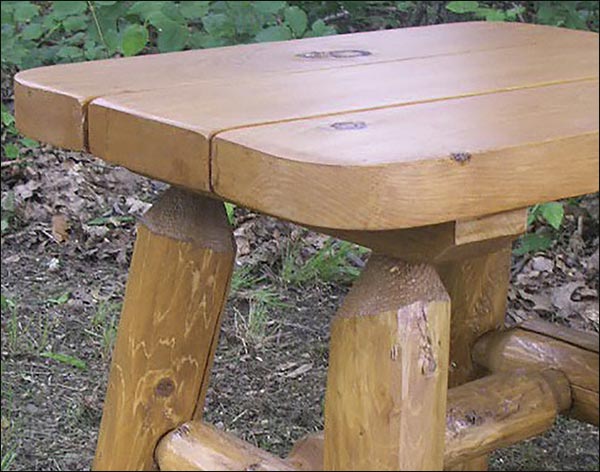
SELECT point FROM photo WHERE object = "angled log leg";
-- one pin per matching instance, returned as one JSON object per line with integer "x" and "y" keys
{"x": 178, "y": 281}
{"x": 385, "y": 406}
{"x": 478, "y": 289}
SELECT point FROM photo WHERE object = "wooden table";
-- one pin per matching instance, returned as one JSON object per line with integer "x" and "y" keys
{"x": 425, "y": 144}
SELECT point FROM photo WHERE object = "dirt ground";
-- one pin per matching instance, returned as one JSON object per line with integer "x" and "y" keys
{"x": 65, "y": 255}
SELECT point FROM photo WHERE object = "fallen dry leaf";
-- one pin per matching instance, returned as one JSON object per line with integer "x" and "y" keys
{"x": 60, "y": 228}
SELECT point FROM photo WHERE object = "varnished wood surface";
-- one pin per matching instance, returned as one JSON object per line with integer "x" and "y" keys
{"x": 198, "y": 446}
{"x": 416, "y": 165}
{"x": 521, "y": 348}
{"x": 478, "y": 289}
{"x": 120, "y": 126}
{"x": 51, "y": 102}
{"x": 484, "y": 415}
{"x": 441, "y": 243}
{"x": 168, "y": 331}
{"x": 419, "y": 126}
{"x": 386, "y": 385}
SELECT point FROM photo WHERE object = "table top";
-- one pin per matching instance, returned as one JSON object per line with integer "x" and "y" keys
{"x": 369, "y": 131}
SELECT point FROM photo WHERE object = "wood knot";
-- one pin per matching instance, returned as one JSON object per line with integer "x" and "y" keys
{"x": 337, "y": 54}
{"x": 348, "y": 125}
{"x": 461, "y": 157}
{"x": 165, "y": 387}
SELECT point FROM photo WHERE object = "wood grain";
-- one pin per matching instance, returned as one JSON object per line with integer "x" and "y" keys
{"x": 435, "y": 244}
{"x": 391, "y": 174}
{"x": 478, "y": 288}
{"x": 483, "y": 415}
{"x": 386, "y": 387}
{"x": 519, "y": 348}
{"x": 198, "y": 446}
{"x": 177, "y": 286}
{"x": 499, "y": 225}
{"x": 134, "y": 129}
{"x": 51, "y": 102}
{"x": 583, "y": 339}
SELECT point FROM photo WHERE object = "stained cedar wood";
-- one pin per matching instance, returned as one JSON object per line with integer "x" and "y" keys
{"x": 525, "y": 147}
{"x": 51, "y": 102}
{"x": 170, "y": 140}
{"x": 138, "y": 130}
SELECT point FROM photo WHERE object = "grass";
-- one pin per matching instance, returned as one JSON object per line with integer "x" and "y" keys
{"x": 104, "y": 325}
{"x": 252, "y": 327}
{"x": 244, "y": 279}
{"x": 65, "y": 359}
{"x": 8, "y": 454}
{"x": 332, "y": 264}
{"x": 7, "y": 459}
{"x": 12, "y": 325}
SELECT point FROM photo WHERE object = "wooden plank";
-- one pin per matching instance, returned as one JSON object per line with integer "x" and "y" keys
{"x": 157, "y": 133}
{"x": 518, "y": 348}
{"x": 388, "y": 364}
{"x": 177, "y": 285}
{"x": 510, "y": 223}
{"x": 51, "y": 102}
{"x": 198, "y": 446}
{"x": 435, "y": 244}
{"x": 482, "y": 416}
{"x": 416, "y": 165}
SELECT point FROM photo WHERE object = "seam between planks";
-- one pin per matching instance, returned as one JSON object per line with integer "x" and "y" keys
{"x": 212, "y": 136}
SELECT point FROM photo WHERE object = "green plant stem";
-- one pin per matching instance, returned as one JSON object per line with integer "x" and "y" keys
{"x": 97, "y": 23}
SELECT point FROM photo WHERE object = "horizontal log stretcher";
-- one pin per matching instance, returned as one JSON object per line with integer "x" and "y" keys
{"x": 483, "y": 415}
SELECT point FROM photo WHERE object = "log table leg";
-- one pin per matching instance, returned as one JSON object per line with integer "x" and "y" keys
{"x": 478, "y": 289}
{"x": 385, "y": 404}
{"x": 178, "y": 282}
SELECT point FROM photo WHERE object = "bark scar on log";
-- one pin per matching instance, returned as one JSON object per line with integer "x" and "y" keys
{"x": 427, "y": 359}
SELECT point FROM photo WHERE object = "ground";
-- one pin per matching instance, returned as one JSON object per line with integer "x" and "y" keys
{"x": 65, "y": 253}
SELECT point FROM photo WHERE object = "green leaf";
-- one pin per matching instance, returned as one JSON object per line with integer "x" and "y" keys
{"x": 269, "y": 7}
{"x": 219, "y": 25}
{"x": 296, "y": 20}
{"x": 25, "y": 11}
{"x": 172, "y": 36}
{"x": 532, "y": 243}
{"x": 274, "y": 33}
{"x": 114, "y": 220}
{"x": 134, "y": 39}
{"x": 4, "y": 226}
{"x": 5, "y": 302}
{"x": 68, "y": 8}
{"x": 463, "y": 6}
{"x": 145, "y": 9}
{"x": 405, "y": 6}
{"x": 61, "y": 300}
{"x": 229, "y": 209}
{"x": 69, "y": 52}
{"x": 533, "y": 213}
{"x": 29, "y": 143}
{"x": 65, "y": 359}
{"x": 492, "y": 15}
{"x": 75, "y": 23}
{"x": 7, "y": 118}
{"x": 105, "y": 4}
{"x": 32, "y": 31}
{"x": 553, "y": 213}
{"x": 193, "y": 10}
{"x": 320, "y": 28}
{"x": 11, "y": 151}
